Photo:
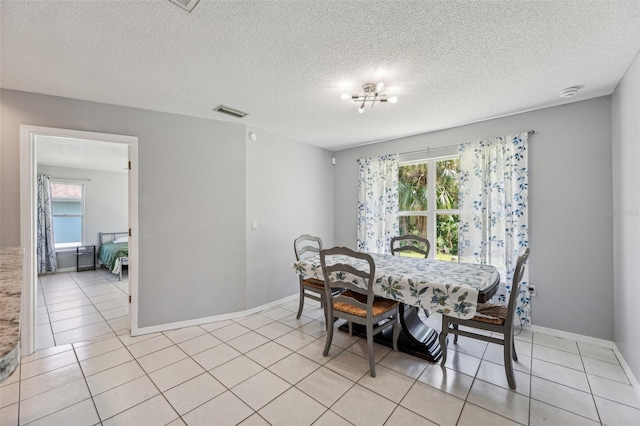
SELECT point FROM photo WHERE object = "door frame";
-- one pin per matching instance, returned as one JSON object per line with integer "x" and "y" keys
{"x": 28, "y": 170}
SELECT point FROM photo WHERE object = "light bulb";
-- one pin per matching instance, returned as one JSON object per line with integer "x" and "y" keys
{"x": 379, "y": 87}
{"x": 345, "y": 96}
{"x": 393, "y": 99}
{"x": 361, "y": 109}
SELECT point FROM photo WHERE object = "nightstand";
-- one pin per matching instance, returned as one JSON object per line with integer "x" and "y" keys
{"x": 85, "y": 252}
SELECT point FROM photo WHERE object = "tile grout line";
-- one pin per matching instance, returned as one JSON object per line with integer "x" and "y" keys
{"x": 593, "y": 397}
{"x": 341, "y": 350}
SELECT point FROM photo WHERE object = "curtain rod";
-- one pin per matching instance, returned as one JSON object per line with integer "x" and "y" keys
{"x": 530, "y": 132}
{"x": 71, "y": 179}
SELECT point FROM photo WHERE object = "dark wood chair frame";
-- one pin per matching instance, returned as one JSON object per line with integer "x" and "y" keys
{"x": 411, "y": 247}
{"x": 374, "y": 324}
{"x": 450, "y": 325}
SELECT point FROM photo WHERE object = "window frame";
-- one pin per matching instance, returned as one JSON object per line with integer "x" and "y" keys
{"x": 432, "y": 211}
{"x": 69, "y": 246}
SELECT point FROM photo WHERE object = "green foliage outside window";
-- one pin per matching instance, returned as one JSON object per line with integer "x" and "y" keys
{"x": 413, "y": 197}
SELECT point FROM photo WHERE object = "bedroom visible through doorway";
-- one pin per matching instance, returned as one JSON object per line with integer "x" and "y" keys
{"x": 81, "y": 186}
{"x": 80, "y": 297}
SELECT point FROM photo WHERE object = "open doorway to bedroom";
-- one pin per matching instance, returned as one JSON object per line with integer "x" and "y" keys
{"x": 81, "y": 271}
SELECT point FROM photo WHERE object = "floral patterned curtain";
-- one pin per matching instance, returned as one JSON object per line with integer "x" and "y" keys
{"x": 377, "y": 203}
{"x": 47, "y": 261}
{"x": 493, "y": 202}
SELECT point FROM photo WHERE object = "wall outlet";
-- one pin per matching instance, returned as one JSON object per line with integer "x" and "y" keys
{"x": 532, "y": 291}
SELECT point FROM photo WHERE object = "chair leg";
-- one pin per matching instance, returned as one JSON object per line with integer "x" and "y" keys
{"x": 350, "y": 328}
{"x": 508, "y": 363}
{"x": 396, "y": 332}
{"x": 326, "y": 313}
{"x": 372, "y": 362}
{"x": 301, "y": 304}
{"x": 443, "y": 339}
{"x": 327, "y": 344}
{"x": 513, "y": 350}
{"x": 455, "y": 336}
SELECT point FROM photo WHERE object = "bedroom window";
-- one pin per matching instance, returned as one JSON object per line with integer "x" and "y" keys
{"x": 428, "y": 197}
{"x": 67, "y": 204}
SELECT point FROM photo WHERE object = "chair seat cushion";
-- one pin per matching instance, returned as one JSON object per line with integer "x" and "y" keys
{"x": 312, "y": 282}
{"x": 380, "y": 305}
{"x": 492, "y": 314}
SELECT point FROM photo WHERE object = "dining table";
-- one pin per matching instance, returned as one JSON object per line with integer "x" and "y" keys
{"x": 435, "y": 286}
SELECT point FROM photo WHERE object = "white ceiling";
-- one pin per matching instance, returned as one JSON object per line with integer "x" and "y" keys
{"x": 81, "y": 154}
{"x": 286, "y": 63}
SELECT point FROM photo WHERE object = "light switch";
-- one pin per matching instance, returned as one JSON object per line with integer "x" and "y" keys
{"x": 254, "y": 225}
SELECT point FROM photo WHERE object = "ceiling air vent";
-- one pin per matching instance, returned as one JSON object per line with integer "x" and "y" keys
{"x": 230, "y": 111}
{"x": 187, "y": 5}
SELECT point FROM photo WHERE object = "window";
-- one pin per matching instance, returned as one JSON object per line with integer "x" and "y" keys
{"x": 428, "y": 201}
{"x": 67, "y": 204}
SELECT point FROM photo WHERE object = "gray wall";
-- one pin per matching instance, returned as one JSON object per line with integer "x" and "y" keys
{"x": 626, "y": 219}
{"x": 289, "y": 193}
{"x": 571, "y": 241}
{"x": 191, "y": 199}
{"x": 105, "y": 205}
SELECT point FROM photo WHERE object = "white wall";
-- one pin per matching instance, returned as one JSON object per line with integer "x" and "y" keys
{"x": 289, "y": 193}
{"x": 626, "y": 220}
{"x": 105, "y": 204}
{"x": 191, "y": 199}
{"x": 571, "y": 241}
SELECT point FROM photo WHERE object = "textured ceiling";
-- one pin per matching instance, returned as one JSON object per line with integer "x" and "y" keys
{"x": 81, "y": 154}
{"x": 286, "y": 63}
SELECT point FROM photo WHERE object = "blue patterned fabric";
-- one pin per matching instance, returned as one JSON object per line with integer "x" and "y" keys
{"x": 448, "y": 288}
{"x": 377, "y": 203}
{"x": 47, "y": 260}
{"x": 493, "y": 202}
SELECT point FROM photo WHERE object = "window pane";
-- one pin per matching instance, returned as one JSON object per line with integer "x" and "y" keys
{"x": 66, "y": 190}
{"x": 67, "y": 229}
{"x": 447, "y": 184}
{"x": 447, "y": 237}
{"x": 413, "y": 225}
{"x": 412, "y": 188}
{"x": 66, "y": 207}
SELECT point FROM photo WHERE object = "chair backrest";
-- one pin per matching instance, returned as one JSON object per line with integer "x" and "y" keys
{"x": 515, "y": 287}
{"x": 410, "y": 243}
{"x": 306, "y": 245}
{"x": 354, "y": 266}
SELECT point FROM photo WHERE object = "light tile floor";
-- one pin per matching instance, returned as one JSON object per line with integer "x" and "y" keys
{"x": 80, "y": 306}
{"x": 268, "y": 369}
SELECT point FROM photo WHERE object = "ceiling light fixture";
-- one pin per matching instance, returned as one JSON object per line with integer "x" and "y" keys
{"x": 372, "y": 93}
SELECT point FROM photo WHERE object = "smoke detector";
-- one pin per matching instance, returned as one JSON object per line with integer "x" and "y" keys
{"x": 569, "y": 92}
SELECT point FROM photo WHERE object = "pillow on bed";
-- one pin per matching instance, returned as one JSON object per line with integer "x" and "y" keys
{"x": 121, "y": 240}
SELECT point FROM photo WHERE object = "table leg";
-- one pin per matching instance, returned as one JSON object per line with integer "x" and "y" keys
{"x": 416, "y": 338}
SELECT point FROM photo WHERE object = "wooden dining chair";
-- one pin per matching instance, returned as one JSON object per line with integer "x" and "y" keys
{"x": 305, "y": 246}
{"x": 495, "y": 318}
{"x": 357, "y": 304}
{"x": 410, "y": 244}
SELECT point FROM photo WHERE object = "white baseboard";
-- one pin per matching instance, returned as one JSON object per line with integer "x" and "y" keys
{"x": 206, "y": 320}
{"x": 572, "y": 336}
{"x": 594, "y": 341}
{"x": 627, "y": 370}
{"x": 60, "y": 271}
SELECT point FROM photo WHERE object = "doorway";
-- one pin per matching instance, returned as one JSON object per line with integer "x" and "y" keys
{"x": 67, "y": 154}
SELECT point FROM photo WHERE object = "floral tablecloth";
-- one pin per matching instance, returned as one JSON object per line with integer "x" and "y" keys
{"x": 448, "y": 288}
